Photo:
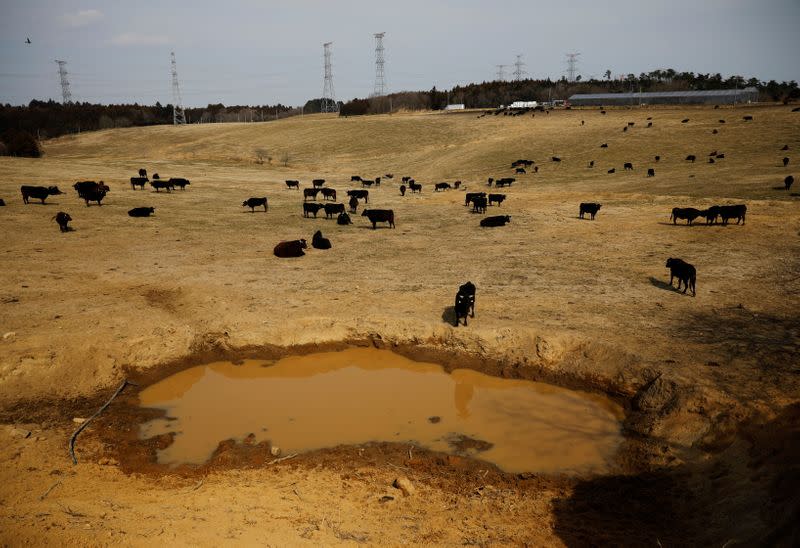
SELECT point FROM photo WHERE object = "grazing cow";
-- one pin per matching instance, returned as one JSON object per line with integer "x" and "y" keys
{"x": 329, "y": 193}
{"x": 359, "y": 194}
{"x": 628, "y": 166}
{"x": 293, "y": 184}
{"x": 555, "y": 159}
{"x": 143, "y": 173}
{"x": 785, "y": 147}
{"x": 94, "y": 195}
{"x": 747, "y": 118}
{"x": 686, "y": 274}
{"x": 465, "y": 302}
{"x": 367, "y": 183}
{"x": 649, "y": 124}
{"x": 624, "y": 129}
{"x": 441, "y": 186}
{"x": 62, "y": 219}
{"x": 591, "y": 163}
{"x": 688, "y": 213}
{"x": 415, "y": 187}
{"x": 377, "y": 181}
{"x": 479, "y": 204}
{"x": 38, "y": 192}
{"x": 499, "y": 198}
{"x": 138, "y": 181}
{"x": 788, "y": 182}
{"x": 691, "y": 158}
{"x": 612, "y": 170}
{"x": 505, "y": 181}
{"x": 497, "y": 220}
{"x": 737, "y": 212}
{"x": 658, "y": 158}
{"x": 379, "y": 216}
{"x": 293, "y": 248}
{"x": 405, "y": 179}
{"x": 457, "y": 185}
{"x": 353, "y": 204}
{"x": 651, "y": 172}
{"x": 402, "y": 190}
{"x": 343, "y": 219}
{"x": 333, "y": 209}
{"x": 520, "y": 170}
{"x": 141, "y": 211}
{"x": 588, "y": 207}
{"x": 159, "y": 184}
{"x": 83, "y": 187}
{"x": 253, "y": 203}
{"x": 604, "y": 145}
{"x": 310, "y": 193}
{"x": 710, "y": 214}
{"x": 311, "y": 208}
{"x": 685, "y": 120}
{"x": 318, "y": 242}
{"x": 785, "y": 161}
{"x": 469, "y": 196}
{"x": 355, "y": 178}
{"x": 179, "y": 182}
{"x": 318, "y": 183}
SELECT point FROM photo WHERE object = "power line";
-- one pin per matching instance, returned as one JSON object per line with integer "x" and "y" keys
{"x": 380, "y": 76}
{"x": 178, "y": 116}
{"x": 518, "y": 71}
{"x": 501, "y": 75}
{"x": 328, "y": 97}
{"x": 66, "y": 95}
{"x": 572, "y": 66}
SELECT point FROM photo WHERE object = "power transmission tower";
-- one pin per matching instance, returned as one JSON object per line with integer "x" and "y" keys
{"x": 66, "y": 95}
{"x": 328, "y": 97}
{"x": 178, "y": 117}
{"x": 380, "y": 77}
{"x": 572, "y": 66}
{"x": 501, "y": 74}
{"x": 518, "y": 72}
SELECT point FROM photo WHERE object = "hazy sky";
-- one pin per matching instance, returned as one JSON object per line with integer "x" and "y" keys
{"x": 259, "y": 52}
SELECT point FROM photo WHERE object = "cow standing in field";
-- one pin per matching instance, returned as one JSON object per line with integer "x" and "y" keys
{"x": 253, "y": 203}
{"x": 785, "y": 161}
{"x": 367, "y": 183}
{"x": 788, "y": 182}
{"x": 658, "y": 159}
{"x": 141, "y": 211}
{"x": 588, "y": 207}
{"x": 353, "y": 204}
{"x": 293, "y": 248}
{"x": 85, "y": 187}
{"x": 496, "y": 198}
{"x": 179, "y": 182}
{"x": 329, "y": 194}
{"x": 686, "y": 274}
{"x": 143, "y": 173}
{"x": 359, "y": 194}
{"x": 415, "y": 187}
{"x": 472, "y": 195}
{"x": 311, "y": 209}
{"x": 651, "y": 172}
{"x": 379, "y": 216}
{"x": 94, "y": 195}
{"x": 138, "y": 181}
{"x": 691, "y": 158}
{"x": 158, "y": 184}
{"x": 355, "y": 178}
{"x": 402, "y": 190}
{"x": 310, "y": 193}
{"x": 737, "y": 212}
{"x": 441, "y": 186}
{"x": 38, "y": 192}
{"x": 333, "y": 209}
{"x": 317, "y": 183}
{"x": 628, "y": 166}
{"x": 688, "y": 213}
{"x": 293, "y": 184}
{"x": 479, "y": 204}
{"x": 591, "y": 163}
{"x": 62, "y": 219}
{"x": 465, "y": 302}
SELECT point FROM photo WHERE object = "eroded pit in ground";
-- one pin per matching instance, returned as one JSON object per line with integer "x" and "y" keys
{"x": 365, "y": 395}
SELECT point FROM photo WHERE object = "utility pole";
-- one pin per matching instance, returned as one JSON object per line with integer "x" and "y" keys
{"x": 518, "y": 71}
{"x": 501, "y": 74}
{"x": 328, "y": 97}
{"x": 178, "y": 116}
{"x": 572, "y": 66}
{"x": 66, "y": 95}
{"x": 380, "y": 61}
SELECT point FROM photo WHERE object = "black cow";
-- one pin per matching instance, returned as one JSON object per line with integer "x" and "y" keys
{"x": 651, "y": 172}
{"x": 343, "y": 219}
{"x": 465, "y": 302}
{"x": 785, "y": 147}
{"x": 588, "y": 207}
{"x": 721, "y": 121}
{"x": 479, "y": 204}
{"x": 720, "y": 156}
{"x": 94, "y": 195}
{"x": 329, "y": 193}
{"x": 379, "y": 216}
{"x": 628, "y": 166}
{"x": 141, "y": 211}
{"x": 712, "y": 153}
{"x": 658, "y": 158}
{"x": 604, "y": 145}
{"x": 389, "y": 175}
{"x": 310, "y": 193}
{"x": 785, "y": 161}
{"x": 2, "y": 202}
{"x": 293, "y": 248}
{"x": 612, "y": 170}
{"x": 457, "y": 185}
{"x": 253, "y": 203}
{"x": 505, "y": 181}
{"x": 714, "y": 131}
{"x": 788, "y": 182}
{"x": 318, "y": 242}
{"x": 691, "y": 158}
{"x": 318, "y": 183}
{"x": 84, "y": 187}
{"x": 489, "y": 181}
{"x": 138, "y": 181}
{"x": 686, "y": 274}
{"x": 624, "y": 129}
{"x": 737, "y": 212}
{"x": 688, "y": 213}
{"x": 293, "y": 184}
{"x": 405, "y": 179}
{"x": 497, "y": 220}
{"x": 311, "y": 208}
{"x": 684, "y": 120}
{"x": 555, "y": 159}
{"x": 62, "y": 219}
{"x": 159, "y": 184}
{"x": 179, "y": 182}
{"x": 143, "y": 173}
{"x": 441, "y": 186}
{"x": 355, "y": 178}
{"x": 367, "y": 183}
{"x": 402, "y": 190}
{"x": 711, "y": 161}
{"x": 520, "y": 170}
{"x": 415, "y": 187}
{"x": 747, "y": 118}
{"x": 710, "y": 214}
{"x": 649, "y": 124}
{"x": 377, "y": 181}
{"x": 333, "y": 209}
{"x": 359, "y": 194}
{"x": 353, "y": 204}
{"x": 38, "y": 192}
{"x": 499, "y": 198}
{"x": 155, "y": 176}
{"x": 591, "y": 163}
{"x": 631, "y": 124}
{"x": 471, "y": 196}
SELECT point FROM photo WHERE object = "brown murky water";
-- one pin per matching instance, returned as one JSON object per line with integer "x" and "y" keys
{"x": 362, "y": 395}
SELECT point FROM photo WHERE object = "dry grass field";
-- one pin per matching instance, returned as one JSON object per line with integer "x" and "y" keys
{"x": 711, "y": 383}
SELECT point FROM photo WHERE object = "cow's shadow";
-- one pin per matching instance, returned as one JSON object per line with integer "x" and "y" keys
{"x": 368, "y": 227}
{"x": 449, "y": 315}
{"x": 661, "y": 284}
{"x": 684, "y": 224}
{"x": 782, "y": 187}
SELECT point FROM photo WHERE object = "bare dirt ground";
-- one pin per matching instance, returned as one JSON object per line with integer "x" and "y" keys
{"x": 711, "y": 383}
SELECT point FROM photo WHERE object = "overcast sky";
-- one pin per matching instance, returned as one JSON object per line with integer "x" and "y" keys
{"x": 264, "y": 52}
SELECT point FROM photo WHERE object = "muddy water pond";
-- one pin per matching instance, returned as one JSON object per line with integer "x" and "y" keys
{"x": 362, "y": 395}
